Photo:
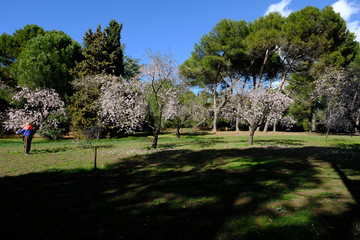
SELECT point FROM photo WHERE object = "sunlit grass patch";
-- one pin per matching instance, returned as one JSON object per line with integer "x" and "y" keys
{"x": 240, "y": 163}
{"x": 284, "y": 225}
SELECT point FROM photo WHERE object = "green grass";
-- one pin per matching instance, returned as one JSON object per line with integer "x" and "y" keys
{"x": 202, "y": 186}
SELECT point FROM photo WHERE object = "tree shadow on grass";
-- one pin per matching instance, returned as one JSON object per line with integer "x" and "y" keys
{"x": 50, "y": 150}
{"x": 197, "y": 142}
{"x": 347, "y": 146}
{"x": 280, "y": 142}
{"x": 197, "y": 133}
{"x": 174, "y": 194}
{"x": 64, "y": 149}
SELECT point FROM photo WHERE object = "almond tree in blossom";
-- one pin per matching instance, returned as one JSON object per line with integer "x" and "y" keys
{"x": 37, "y": 107}
{"x": 339, "y": 91}
{"x": 121, "y": 103}
{"x": 233, "y": 109}
{"x": 262, "y": 104}
{"x": 160, "y": 76}
{"x": 187, "y": 107}
{"x": 5, "y": 93}
{"x": 255, "y": 106}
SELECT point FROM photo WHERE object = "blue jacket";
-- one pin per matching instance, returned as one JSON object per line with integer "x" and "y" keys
{"x": 27, "y": 132}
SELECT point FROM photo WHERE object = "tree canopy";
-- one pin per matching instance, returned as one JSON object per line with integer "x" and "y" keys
{"x": 46, "y": 61}
{"x": 102, "y": 52}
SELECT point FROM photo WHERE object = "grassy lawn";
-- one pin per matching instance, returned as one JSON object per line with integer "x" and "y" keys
{"x": 202, "y": 186}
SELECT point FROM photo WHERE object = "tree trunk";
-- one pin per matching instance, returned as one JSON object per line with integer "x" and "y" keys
{"x": 275, "y": 123}
{"x": 283, "y": 81}
{"x": 201, "y": 122}
{"x": 156, "y": 136}
{"x": 251, "y": 136}
{"x": 327, "y": 134}
{"x": 313, "y": 123}
{"x": 215, "y": 110}
{"x": 155, "y": 141}
{"x": 262, "y": 69}
{"x": 237, "y": 122}
{"x": 266, "y": 126}
{"x": 95, "y": 157}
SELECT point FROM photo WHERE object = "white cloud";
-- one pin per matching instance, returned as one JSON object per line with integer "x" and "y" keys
{"x": 354, "y": 27}
{"x": 281, "y": 7}
{"x": 346, "y": 10}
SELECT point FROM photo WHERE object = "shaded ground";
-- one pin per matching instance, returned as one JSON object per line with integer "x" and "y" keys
{"x": 254, "y": 193}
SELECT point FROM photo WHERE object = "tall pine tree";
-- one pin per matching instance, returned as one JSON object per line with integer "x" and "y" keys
{"x": 102, "y": 52}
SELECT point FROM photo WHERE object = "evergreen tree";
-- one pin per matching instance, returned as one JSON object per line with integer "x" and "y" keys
{"x": 313, "y": 40}
{"x": 11, "y": 47}
{"x": 113, "y": 32}
{"x": 45, "y": 62}
{"x": 102, "y": 52}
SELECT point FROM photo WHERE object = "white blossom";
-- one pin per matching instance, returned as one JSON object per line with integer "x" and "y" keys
{"x": 37, "y": 106}
{"x": 121, "y": 103}
{"x": 339, "y": 90}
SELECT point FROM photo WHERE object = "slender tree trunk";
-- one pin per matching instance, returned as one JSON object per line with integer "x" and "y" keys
{"x": 155, "y": 141}
{"x": 327, "y": 134}
{"x": 199, "y": 123}
{"x": 266, "y": 126}
{"x": 262, "y": 69}
{"x": 156, "y": 136}
{"x": 237, "y": 122}
{"x": 275, "y": 123}
{"x": 251, "y": 135}
{"x": 282, "y": 81}
{"x": 215, "y": 110}
{"x": 313, "y": 123}
{"x": 95, "y": 157}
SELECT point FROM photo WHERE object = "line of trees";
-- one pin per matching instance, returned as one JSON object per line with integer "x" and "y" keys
{"x": 274, "y": 71}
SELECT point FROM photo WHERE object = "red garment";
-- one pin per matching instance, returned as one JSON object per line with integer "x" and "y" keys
{"x": 28, "y": 127}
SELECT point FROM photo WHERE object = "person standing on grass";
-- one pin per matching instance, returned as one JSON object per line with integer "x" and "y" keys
{"x": 29, "y": 132}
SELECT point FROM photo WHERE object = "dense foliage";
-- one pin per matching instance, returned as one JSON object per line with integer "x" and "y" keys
{"x": 46, "y": 61}
{"x": 102, "y": 52}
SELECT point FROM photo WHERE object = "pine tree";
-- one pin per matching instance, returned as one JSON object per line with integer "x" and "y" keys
{"x": 102, "y": 52}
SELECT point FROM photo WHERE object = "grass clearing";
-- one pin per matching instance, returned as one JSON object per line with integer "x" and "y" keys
{"x": 202, "y": 186}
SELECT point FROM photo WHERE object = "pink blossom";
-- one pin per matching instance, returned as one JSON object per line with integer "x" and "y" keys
{"x": 121, "y": 103}
{"x": 38, "y": 106}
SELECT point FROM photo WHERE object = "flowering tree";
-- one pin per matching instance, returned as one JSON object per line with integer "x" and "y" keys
{"x": 160, "y": 76}
{"x": 36, "y": 107}
{"x": 4, "y": 102}
{"x": 262, "y": 104}
{"x": 121, "y": 103}
{"x": 186, "y": 108}
{"x": 339, "y": 91}
{"x": 279, "y": 104}
{"x": 255, "y": 106}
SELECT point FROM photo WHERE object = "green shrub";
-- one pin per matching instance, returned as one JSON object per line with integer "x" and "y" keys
{"x": 50, "y": 132}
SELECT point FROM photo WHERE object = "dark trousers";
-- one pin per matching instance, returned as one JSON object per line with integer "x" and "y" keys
{"x": 27, "y": 144}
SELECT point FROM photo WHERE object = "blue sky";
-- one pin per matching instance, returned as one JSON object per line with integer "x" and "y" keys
{"x": 159, "y": 25}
